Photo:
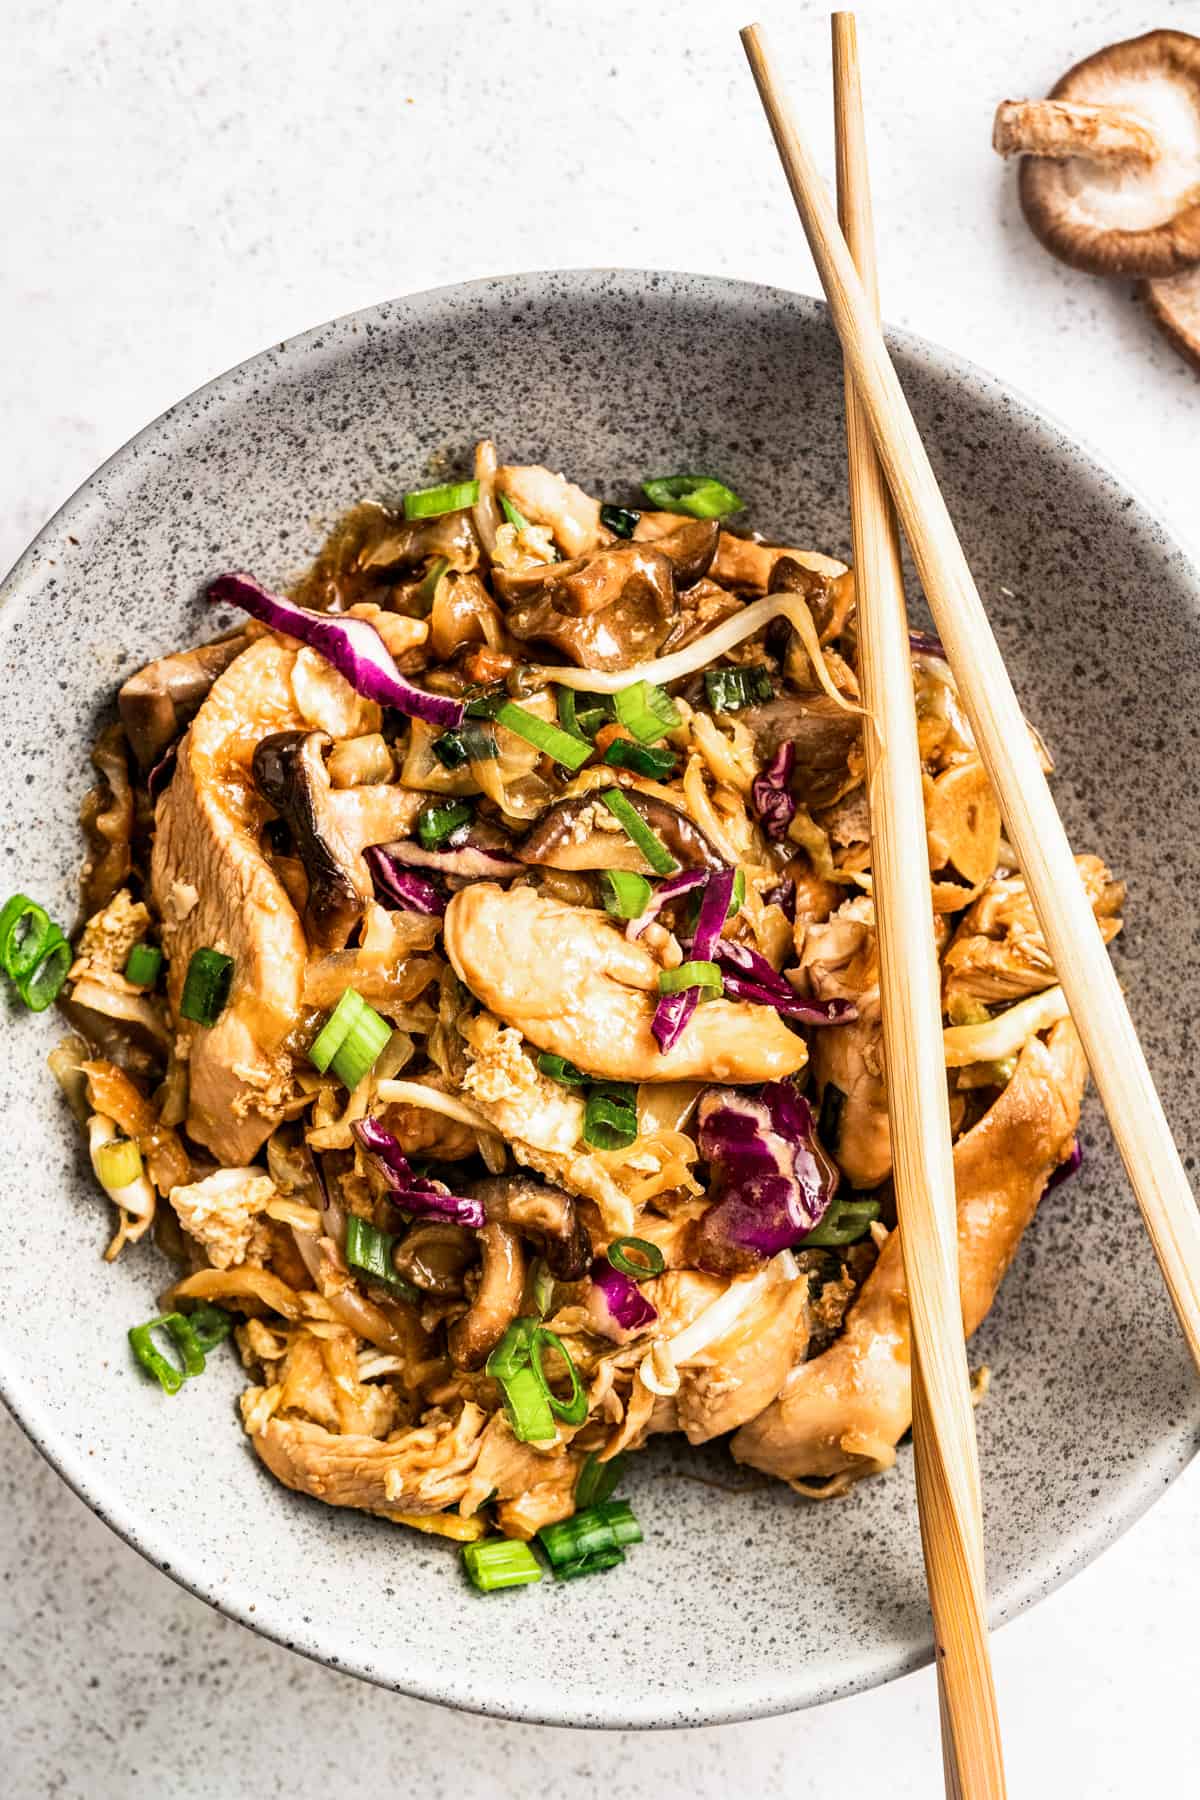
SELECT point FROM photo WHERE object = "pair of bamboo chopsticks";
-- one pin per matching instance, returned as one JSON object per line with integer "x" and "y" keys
{"x": 880, "y": 425}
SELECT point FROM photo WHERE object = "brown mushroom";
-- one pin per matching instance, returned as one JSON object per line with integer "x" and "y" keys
{"x": 578, "y": 834}
{"x": 435, "y": 1256}
{"x": 541, "y": 1212}
{"x": 1112, "y": 159}
{"x": 824, "y": 734}
{"x": 160, "y": 700}
{"x": 497, "y": 1301}
{"x": 1174, "y": 305}
{"x": 290, "y": 774}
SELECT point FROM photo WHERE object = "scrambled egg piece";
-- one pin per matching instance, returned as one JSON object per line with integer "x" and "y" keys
{"x": 109, "y": 936}
{"x": 220, "y": 1212}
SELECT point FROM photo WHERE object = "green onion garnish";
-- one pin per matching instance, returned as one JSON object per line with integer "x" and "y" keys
{"x": 45, "y": 979}
{"x": 591, "y": 1540}
{"x": 559, "y": 1069}
{"x": 332, "y": 1034}
{"x": 636, "y": 828}
{"x": 700, "y": 496}
{"x": 526, "y": 1404}
{"x": 621, "y": 520}
{"x": 659, "y": 765}
{"x": 24, "y": 934}
{"x": 572, "y": 1411}
{"x": 513, "y": 514}
{"x": 704, "y": 975}
{"x": 625, "y": 895}
{"x": 496, "y": 1563}
{"x": 597, "y": 1480}
{"x": 649, "y": 1258}
{"x": 426, "y": 592}
{"x": 356, "y": 1055}
{"x": 369, "y": 1249}
{"x": 738, "y": 898}
{"x": 610, "y": 1116}
{"x": 563, "y": 746}
{"x": 646, "y": 710}
{"x": 845, "y": 1222}
{"x": 143, "y": 964}
{"x": 179, "y": 1329}
{"x": 118, "y": 1163}
{"x": 729, "y": 690}
{"x": 206, "y": 986}
{"x": 487, "y": 704}
{"x": 432, "y": 502}
{"x": 210, "y": 1325}
{"x": 470, "y": 743}
{"x": 438, "y": 822}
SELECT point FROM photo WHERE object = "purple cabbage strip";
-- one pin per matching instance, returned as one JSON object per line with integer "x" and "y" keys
{"x": 770, "y": 1180}
{"x": 667, "y": 890}
{"x": 1065, "y": 1170}
{"x": 413, "y": 1193}
{"x": 771, "y": 793}
{"x": 400, "y": 887}
{"x": 924, "y": 643}
{"x": 674, "y": 1010}
{"x": 749, "y": 976}
{"x": 616, "y": 1304}
{"x": 472, "y": 861}
{"x": 352, "y": 646}
{"x": 783, "y": 895}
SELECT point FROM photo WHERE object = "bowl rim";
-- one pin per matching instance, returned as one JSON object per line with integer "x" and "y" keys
{"x": 117, "y": 1509}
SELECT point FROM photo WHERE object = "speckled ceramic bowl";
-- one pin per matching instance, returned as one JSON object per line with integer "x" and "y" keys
{"x": 744, "y": 1599}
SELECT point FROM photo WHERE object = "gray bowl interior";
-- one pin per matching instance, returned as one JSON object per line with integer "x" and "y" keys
{"x": 744, "y": 1599}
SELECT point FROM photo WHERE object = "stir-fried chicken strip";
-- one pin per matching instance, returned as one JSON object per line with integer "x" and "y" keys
{"x": 843, "y": 1413}
{"x": 479, "y": 999}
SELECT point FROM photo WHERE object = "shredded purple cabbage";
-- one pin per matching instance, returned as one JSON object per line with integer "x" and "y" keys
{"x": 472, "y": 861}
{"x": 414, "y": 1193}
{"x": 1065, "y": 1170}
{"x": 352, "y": 646}
{"x": 770, "y": 1179}
{"x": 666, "y": 891}
{"x": 924, "y": 643}
{"x": 771, "y": 792}
{"x": 782, "y": 895}
{"x": 674, "y": 1010}
{"x": 749, "y": 976}
{"x": 616, "y": 1305}
{"x": 400, "y": 887}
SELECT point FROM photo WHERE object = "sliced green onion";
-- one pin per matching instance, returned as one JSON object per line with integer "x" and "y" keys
{"x": 143, "y": 964}
{"x": 44, "y": 981}
{"x": 590, "y": 1540}
{"x": 541, "y": 1285}
{"x": 426, "y": 593}
{"x": 169, "y": 1377}
{"x": 496, "y": 1563}
{"x": 597, "y": 1480}
{"x": 487, "y": 704}
{"x": 333, "y": 1032}
{"x": 636, "y": 828}
{"x": 738, "y": 898}
{"x": 432, "y": 502}
{"x": 618, "y": 1516}
{"x": 649, "y": 1258}
{"x": 24, "y": 934}
{"x": 699, "y": 496}
{"x": 573, "y": 1411}
{"x": 438, "y": 822}
{"x": 610, "y": 1116}
{"x": 582, "y": 714}
{"x": 647, "y": 710}
{"x": 729, "y": 690}
{"x": 704, "y": 975}
{"x": 513, "y": 514}
{"x": 470, "y": 743}
{"x": 625, "y": 895}
{"x": 512, "y": 1352}
{"x": 206, "y": 986}
{"x": 526, "y": 1396}
{"x": 589, "y": 1565}
{"x": 845, "y": 1222}
{"x": 356, "y": 1054}
{"x": 117, "y": 1163}
{"x": 659, "y": 765}
{"x": 370, "y": 1249}
{"x": 571, "y": 751}
{"x": 559, "y": 1069}
{"x": 829, "y": 1122}
{"x": 210, "y": 1325}
{"x": 621, "y": 520}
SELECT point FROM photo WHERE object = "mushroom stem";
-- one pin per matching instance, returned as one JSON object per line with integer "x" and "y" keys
{"x": 1062, "y": 128}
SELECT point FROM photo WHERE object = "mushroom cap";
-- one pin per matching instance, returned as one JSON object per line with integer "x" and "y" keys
{"x": 1126, "y": 217}
{"x": 1174, "y": 305}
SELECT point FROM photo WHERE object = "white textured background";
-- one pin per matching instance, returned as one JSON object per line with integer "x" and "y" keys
{"x": 184, "y": 184}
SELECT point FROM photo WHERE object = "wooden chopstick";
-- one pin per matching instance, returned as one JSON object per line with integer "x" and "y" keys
{"x": 1097, "y": 1005}
{"x": 914, "y": 1060}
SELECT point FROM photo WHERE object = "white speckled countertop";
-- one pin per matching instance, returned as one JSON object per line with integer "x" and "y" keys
{"x": 187, "y": 184}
